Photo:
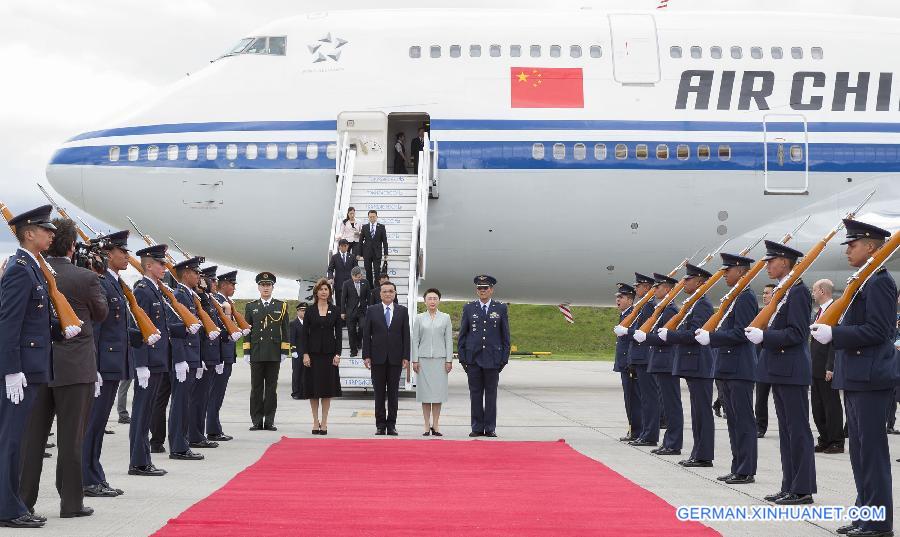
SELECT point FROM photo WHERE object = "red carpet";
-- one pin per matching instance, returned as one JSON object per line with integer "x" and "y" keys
{"x": 326, "y": 487}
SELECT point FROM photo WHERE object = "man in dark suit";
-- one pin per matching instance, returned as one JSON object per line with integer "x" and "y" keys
{"x": 827, "y": 411}
{"x": 386, "y": 353}
{"x": 296, "y": 330}
{"x": 339, "y": 269}
{"x": 415, "y": 146}
{"x": 375, "y": 293}
{"x": 373, "y": 244}
{"x": 70, "y": 395}
{"x": 353, "y": 307}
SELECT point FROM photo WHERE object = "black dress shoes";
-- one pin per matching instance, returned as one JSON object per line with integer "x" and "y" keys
{"x": 627, "y": 438}
{"x": 219, "y": 437}
{"x": 149, "y": 470}
{"x": 255, "y": 427}
{"x": 694, "y": 463}
{"x": 859, "y": 532}
{"x": 106, "y": 486}
{"x": 795, "y": 499}
{"x": 760, "y": 434}
{"x": 819, "y": 448}
{"x": 270, "y": 428}
{"x": 38, "y": 518}
{"x": 24, "y": 521}
{"x": 475, "y": 434}
{"x": 844, "y": 530}
{"x": 641, "y": 443}
{"x": 490, "y": 434}
{"x": 99, "y": 491}
{"x": 833, "y": 449}
{"x": 777, "y": 496}
{"x": 666, "y": 451}
{"x": 186, "y": 456}
{"x": 157, "y": 449}
{"x": 392, "y": 431}
{"x": 721, "y": 477}
{"x": 84, "y": 511}
{"x": 204, "y": 444}
{"x": 739, "y": 479}
{"x": 124, "y": 419}
{"x": 50, "y": 445}
{"x": 435, "y": 433}
{"x": 381, "y": 431}
{"x": 108, "y": 431}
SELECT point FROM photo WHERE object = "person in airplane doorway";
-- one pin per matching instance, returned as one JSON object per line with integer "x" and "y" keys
{"x": 268, "y": 344}
{"x": 483, "y": 348}
{"x": 298, "y": 370}
{"x": 322, "y": 341}
{"x": 865, "y": 367}
{"x": 225, "y": 290}
{"x": 415, "y": 147}
{"x": 211, "y": 360}
{"x": 735, "y": 369}
{"x": 785, "y": 363}
{"x": 625, "y": 303}
{"x": 763, "y": 389}
{"x": 400, "y": 158}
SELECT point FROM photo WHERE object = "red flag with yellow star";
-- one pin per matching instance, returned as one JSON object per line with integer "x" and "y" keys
{"x": 541, "y": 87}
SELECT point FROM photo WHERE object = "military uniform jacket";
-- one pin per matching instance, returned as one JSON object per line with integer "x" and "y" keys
{"x": 211, "y": 351}
{"x": 157, "y": 357}
{"x": 662, "y": 353}
{"x": 692, "y": 360}
{"x": 865, "y": 357}
{"x": 622, "y": 345}
{"x": 26, "y": 326}
{"x": 229, "y": 347}
{"x": 270, "y": 332}
{"x": 484, "y": 339}
{"x": 785, "y": 355}
{"x": 639, "y": 353}
{"x": 189, "y": 350}
{"x": 735, "y": 357}
{"x": 116, "y": 334}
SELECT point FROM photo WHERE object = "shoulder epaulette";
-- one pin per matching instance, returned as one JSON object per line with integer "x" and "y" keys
{"x": 141, "y": 285}
{"x": 882, "y": 269}
{"x": 21, "y": 261}
{"x": 101, "y": 276}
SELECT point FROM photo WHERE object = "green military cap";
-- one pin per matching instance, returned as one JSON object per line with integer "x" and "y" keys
{"x": 265, "y": 277}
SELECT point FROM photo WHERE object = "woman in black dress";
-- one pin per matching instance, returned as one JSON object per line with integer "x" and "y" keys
{"x": 322, "y": 354}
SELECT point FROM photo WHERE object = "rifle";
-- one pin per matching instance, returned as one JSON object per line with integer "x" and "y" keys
{"x": 141, "y": 319}
{"x": 670, "y": 296}
{"x": 208, "y": 325}
{"x": 836, "y": 310}
{"x": 69, "y": 321}
{"x": 636, "y": 308}
{"x": 702, "y": 290}
{"x": 765, "y": 315}
{"x": 716, "y": 319}
{"x": 230, "y": 325}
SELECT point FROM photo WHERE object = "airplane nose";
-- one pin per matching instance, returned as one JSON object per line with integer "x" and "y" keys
{"x": 66, "y": 179}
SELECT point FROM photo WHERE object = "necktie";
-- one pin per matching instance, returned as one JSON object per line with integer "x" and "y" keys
{"x": 387, "y": 316}
{"x": 819, "y": 313}
{"x": 484, "y": 309}
{"x": 373, "y": 231}
{"x": 343, "y": 258}
{"x": 357, "y": 288}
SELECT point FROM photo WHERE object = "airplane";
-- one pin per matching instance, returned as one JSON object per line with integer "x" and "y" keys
{"x": 566, "y": 148}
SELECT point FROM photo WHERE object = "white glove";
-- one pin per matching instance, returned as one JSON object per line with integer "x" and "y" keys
{"x": 199, "y": 373}
{"x": 639, "y": 336}
{"x": 72, "y": 331}
{"x": 284, "y": 357}
{"x": 755, "y": 335}
{"x": 295, "y": 355}
{"x": 246, "y": 358}
{"x": 663, "y": 333}
{"x": 213, "y": 335}
{"x": 97, "y": 385}
{"x": 154, "y": 338}
{"x": 15, "y": 387}
{"x": 220, "y": 369}
{"x": 194, "y": 328}
{"x": 181, "y": 369}
{"x": 143, "y": 376}
{"x": 620, "y": 330}
{"x": 822, "y": 333}
{"x": 235, "y": 336}
{"x": 246, "y": 331}
{"x": 702, "y": 336}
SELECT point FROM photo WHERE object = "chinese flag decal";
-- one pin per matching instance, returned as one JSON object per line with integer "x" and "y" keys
{"x": 539, "y": 87}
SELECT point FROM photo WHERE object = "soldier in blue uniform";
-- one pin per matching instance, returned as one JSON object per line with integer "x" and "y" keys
{"x": 785, "y": 363}
{"x": 151, "y": 361}
{"x": 211, "y": 357}
{"x": 114, "y": 338}
{"x": 186, "y": 362}
{"x": 638, "y": 355}
{"x": 735, "y": 366}
{"x": 26, "y": 329}
{"x": 865, "y": 367}
{"x": 224, "y": 291}
{"x": 484, "y": 352}
{"x": 659, "y": 364}
{"x": 694, "y": 363}
{"x": 625, "y": 304}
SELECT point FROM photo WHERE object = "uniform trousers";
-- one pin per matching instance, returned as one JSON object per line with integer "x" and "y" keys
{"x": 158, "y": 422}
{"x": 702, "y": 425}
{"x": 827, "y": 411}
{"x": 670, "y": 393}
{"x": 761, "y": 407}
{"x": 483, "y": 385}
{"x": 142, "y": 413}
{"x": 632, "y": 403}
{"x": 216, "y": 399}
{"x": 649, "y": 404}
{"x": 92, "y": 470}
{"x": 72, "y": 407}
{"x": 263, "y": 392}
{"x": 199, "y": 405}
{"x": 870, "y": 457}
{"x": 13, "y": 419}
{"x": 798, "y": 463}
{"x": 179, "y": 411}
{"x": 122, "y": 398}
{"x": 738, "y": 396}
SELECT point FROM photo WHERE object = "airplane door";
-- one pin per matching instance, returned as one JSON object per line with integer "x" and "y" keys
{"x": 786, "y": 150}
{"x": 367, "y": 132}
{"x": 634, "y": 48}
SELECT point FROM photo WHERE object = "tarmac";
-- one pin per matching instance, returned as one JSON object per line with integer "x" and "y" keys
{"x": 580, "y": 402}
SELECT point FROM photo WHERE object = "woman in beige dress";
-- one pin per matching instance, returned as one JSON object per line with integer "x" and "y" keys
{"x": 432, "y": 357}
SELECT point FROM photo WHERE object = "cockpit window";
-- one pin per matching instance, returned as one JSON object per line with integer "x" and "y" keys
{"x": 267, "y": 45}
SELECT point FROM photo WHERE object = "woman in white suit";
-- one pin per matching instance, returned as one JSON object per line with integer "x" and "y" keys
{"x": 432, "y": 357}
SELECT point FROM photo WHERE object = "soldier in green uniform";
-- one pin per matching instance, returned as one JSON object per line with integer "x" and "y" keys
{"x": 268, "y": 344}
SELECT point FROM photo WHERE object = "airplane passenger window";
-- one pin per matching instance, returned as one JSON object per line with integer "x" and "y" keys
{"x": 555, "y": 51}
{"x": 796, "y": 153}
{"x": 756, "y": 53}
{"x": 817, "y": 53}
{"x": 696, "y": 52}
{"x": 133, "y": 153}
{"x": 777, "y": 53}
{"x": 579, "y": 151}
{"x": 212, "y": 151}
{"x": 797, "y": 53}
{"x": 736, "y": 53}
{"x": 495, "y": 51}
{"x": 675, "y": 52}
{"x": 331, "y": 151}
{"x": 575, "y": 51}
{"x": 596, "y": 51}
{"x": 251, "y": 151}
{"x": 703, "y": 152}
{"x": 277, "y": 46}
{"x": 724, "y": 152}
{"x": 559, "y": 151}
{"x": 715, "y": 52}
{"x": 114, "y": 153}
{"x": 191, "y": 152}
{"x": 290, "y": 152}
{"x": 475, "y": 51}
{"x": 415, "y": 51}
{"x": 537, "y": 151}
{"x": 271, "y": 151}
{"x": 683, "y": 152}
{"x": 231, "y": 151}
{"x": 515, "y": 51}
{"x": 662, "y": 152}
{"x": 621, "y": 151}
{"x": 312, "y": 151}
{"x": 599, "y": 151}
{"x": 435, "y": 51}
{"x": 455, "y": 51}
{"x": 535, "y": 51}
{"x": 172, "y": 152}
{"x": 153, "y": 152}
{"x": 641, "y": 151}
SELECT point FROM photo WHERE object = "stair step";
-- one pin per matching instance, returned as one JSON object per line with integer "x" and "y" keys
{"x": 400, "y": 189}
{"x": 367, "y": 204}
{"x": 385, "y": 179}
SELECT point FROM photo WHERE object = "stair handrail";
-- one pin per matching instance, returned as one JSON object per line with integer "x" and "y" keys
{"x": 344, "y": 169}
